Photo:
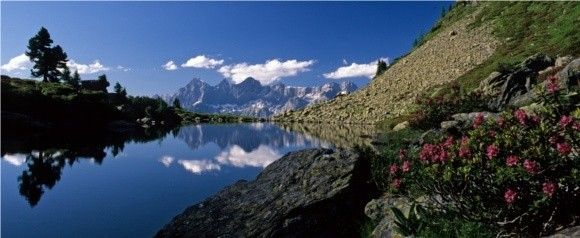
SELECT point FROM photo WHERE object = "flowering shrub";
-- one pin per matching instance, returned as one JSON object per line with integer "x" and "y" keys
{"x": 432, "y": 111}
{"x": 520, "y": 171}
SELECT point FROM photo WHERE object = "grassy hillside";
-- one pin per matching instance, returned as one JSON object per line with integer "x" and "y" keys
{"x": 526, "y": 28}
{"x": 464, "y": 47}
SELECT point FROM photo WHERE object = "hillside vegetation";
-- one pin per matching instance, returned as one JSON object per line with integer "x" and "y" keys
{"x": 464, "y": 47}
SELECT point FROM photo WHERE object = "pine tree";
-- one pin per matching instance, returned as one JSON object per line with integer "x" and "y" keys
{"x": 176, "y": 103}
{"x": 381, "y": 67}
{"x": 47, "y": 60}
{"x": 120, "y": 94}
{"x": 66, "y": 76}
{"x": 118, "y": 88}
{"x": 76, "y": 80}
{"x": 102, "y": 83}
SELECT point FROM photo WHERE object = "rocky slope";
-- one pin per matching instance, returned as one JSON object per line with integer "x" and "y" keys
{"x": 445, "y": 57}
{"x": 303, "y": 194}
{"x": 250, "y": 98}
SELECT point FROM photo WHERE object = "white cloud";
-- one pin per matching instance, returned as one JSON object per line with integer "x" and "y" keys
{"x": 123, "y": 68}
{"x": 20, "y": 62}
{"x": 355, "y": 70}
{"x": 198, "y": 166}
{"x": 15, "y": 159}
{"x": 201, "y": 61}
{"x": 237, "y": 157}
{"x": 166, "y": 160}
{"x": 95, "y": 67}
{"x": 170, "y": 66}
{"x": 266, "y": 73}
{"x": 344, "y": 62}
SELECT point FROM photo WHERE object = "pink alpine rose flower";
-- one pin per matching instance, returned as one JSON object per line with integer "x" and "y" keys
{"x": 553, "y": 85}
{"x": 492, "y": 151}
{"x": 510, "y": 196}
{"x": 564, "y": 148}
{"x": 448, "y": 142}
{"x": 396, "y": 183}
{"x": 406, "y": 166}
{"x": 478, "y": 120}
{"x": 521, "y": 116}
{"x": 512, "y": 160}
{"x": 565, "y": 121}
{"x": 464, "y": 151}
{"x": 549, "y": 188}
{"x": 531, "y": 166}
{"x": 393, "y": 169}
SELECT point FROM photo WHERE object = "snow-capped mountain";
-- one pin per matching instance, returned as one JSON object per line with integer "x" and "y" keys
{"x": 251, "y": 98}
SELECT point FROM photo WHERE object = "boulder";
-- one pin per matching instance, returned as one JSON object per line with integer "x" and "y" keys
{"x": 566, "y": 233}
{"x": 401, "y": 126}
{"x": 570, "y": 75}
{"x": 563, "y": 61}
{"x": 537, "y": 62}
{"x": 314, "y": 192}
{"x": 514, "y": 86}
{"x": 449, "y": 125}
{"x": 465, "y": 120}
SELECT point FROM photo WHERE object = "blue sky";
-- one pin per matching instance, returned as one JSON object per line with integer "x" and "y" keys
{"x": 296, "y": 43}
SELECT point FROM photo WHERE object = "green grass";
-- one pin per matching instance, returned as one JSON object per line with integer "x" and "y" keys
{"x": 526, "y": 28}
{"x": 458, "y": 11}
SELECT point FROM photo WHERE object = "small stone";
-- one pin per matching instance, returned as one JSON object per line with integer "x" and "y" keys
{"x": 563, "y": 61}
{"x": 401, "y": 126}
{"x": 446, "y": 125}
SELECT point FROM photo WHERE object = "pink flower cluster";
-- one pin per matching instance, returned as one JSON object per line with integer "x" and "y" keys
{"x": 549, "y": 188}
{"x": 531, "y": 166}
{"x": 464, "y": 151}
{"x": 565, "y": 121}
{"x": 406, "y": 166}
{"x": 564, "y": 148}
{"x": 510, "y": 196}
{"x": 492, "y": 151}
{"x": 479, "y": 119}
{"x": 433, "y": 153}
{"x": 512, "y": 160}
{"x": 396, "y": 183}
{"x": 393, "y": 169}
{"x": 521, "y": 116}
{"x": 553, "y": 85}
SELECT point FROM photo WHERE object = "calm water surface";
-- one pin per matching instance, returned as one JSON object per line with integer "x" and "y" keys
{"x": 130, "y": 187}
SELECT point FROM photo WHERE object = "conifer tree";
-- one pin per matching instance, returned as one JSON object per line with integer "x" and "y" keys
{"x": 47, "y": 60}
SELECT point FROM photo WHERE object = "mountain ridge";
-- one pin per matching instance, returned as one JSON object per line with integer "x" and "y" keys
{"x": 251, "y": 98}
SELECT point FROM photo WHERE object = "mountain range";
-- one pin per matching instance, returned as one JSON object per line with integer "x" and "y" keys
{"x": 250, "y": 98}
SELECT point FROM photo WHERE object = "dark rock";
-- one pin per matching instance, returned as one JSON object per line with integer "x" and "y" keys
{"x": 513, "y": 87}
{"x": 537, "y": 62}
{"x": 315, "y": 192}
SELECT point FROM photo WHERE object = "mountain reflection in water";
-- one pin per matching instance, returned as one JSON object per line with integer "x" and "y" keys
{"x": 240, "y": 145}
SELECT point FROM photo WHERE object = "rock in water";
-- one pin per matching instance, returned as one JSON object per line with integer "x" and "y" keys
{"x": 314, "y": 192}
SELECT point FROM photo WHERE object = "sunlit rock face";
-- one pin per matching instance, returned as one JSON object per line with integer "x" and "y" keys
{"x": 253, "y": 99}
